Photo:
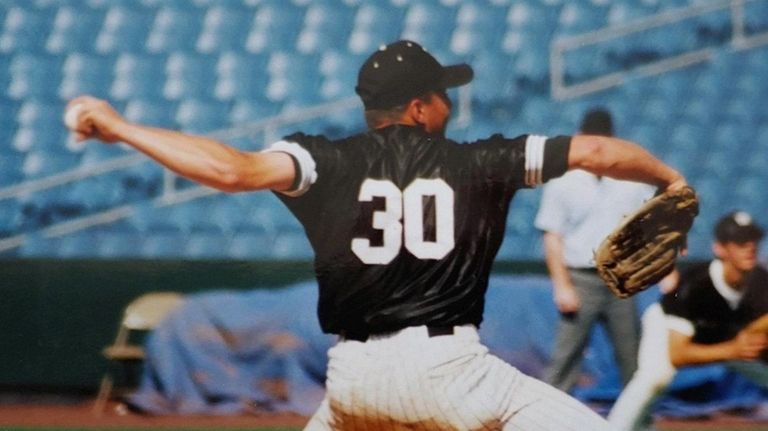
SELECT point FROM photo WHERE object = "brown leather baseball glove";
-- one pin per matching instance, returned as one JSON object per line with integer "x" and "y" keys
{"x": 644, "y": 247}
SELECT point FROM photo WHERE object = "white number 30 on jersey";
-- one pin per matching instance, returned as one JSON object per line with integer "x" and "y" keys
{"x": 403, "y": 220}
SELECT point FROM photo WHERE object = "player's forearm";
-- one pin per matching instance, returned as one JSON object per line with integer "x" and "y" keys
{"x": 198, "y": 158}
{"x": 697, "y": 354}
{"x": 620, "y": 159}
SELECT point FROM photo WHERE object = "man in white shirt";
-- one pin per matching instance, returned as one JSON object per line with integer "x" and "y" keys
{"x": 577, "y": 212}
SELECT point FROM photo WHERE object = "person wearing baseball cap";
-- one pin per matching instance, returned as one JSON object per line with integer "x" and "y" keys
{"x": 405, "y": 225}
{"x": 402, "y": 71}
{"x": 704, "y": 320}
{"x": 738, "y": 227}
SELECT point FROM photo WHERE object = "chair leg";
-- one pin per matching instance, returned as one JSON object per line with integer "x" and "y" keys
{"x": 105, "y": 390}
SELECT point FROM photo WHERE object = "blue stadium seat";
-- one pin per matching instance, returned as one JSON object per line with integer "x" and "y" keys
{"x": 10, "y": 216}
{"x": 750, "y": 191}
{"x": 34, "y": 76}
{"x": 95, "y": 153}
{"x": 251, "y": 110}
{"x": 151, "y": 111}
{"x": 43, "y": 114}
{"x": 293, "y": 76}
{"x": 516, "y": 42}
{"x": 77, "y": 245}
{"x": 138, "y": 75}
{"x": 141, "y": 182}
{"x": 240, "y": 75}
{"x": 740, "y": 107}
{"x": 148, "y": 219}
{"x": 194, "y": 216}
{"x": 733, "y": 136}
{"x": 251, "y": 244}
{"x": 34, "y": 139}
{"x": 225, "y": 28}
{"x": 689, "y": 138}
{"x": 622, "y": 12}
{"x": 425, "y": 22}
{"x": 717, "y": 163}
{"x": 10, "y": 169}
{"x": 35, "y": 245}
{"x": 756, "y": 17}
{"x": 73, "y": 29}
{"x": 189, "y": 75}
{"x": 163, "y": 244}
{"x": 339, "y": 71}
{"x": 39, "y": 164}
{"x": 537, "y": 115}
{"x": 533, "y": 16}
{"x": 174, "y": 29}
{"x": 580, "y": 17}
{"x": 761, "y": 138}
{"x": 674, "y": 87}
{"x": 656, "y": 110}
{"x": 117, "y": 243}
{"x": 478, "y": 25}
{"x": 24, "y": 29}
{"x": 206, "y": 245}
{"x": 292, "y": 245}
{"x": 94, "y": 194}
{"x": 274, "y": 27}
{"x": 324, "y": 27}
{"x": 200, "y": 116}
{"x": 700, "y": 109}
{"x": 374, "y": 25}
{"x": 493, "y": 77}
{"x": 124, "y": 29}
{"x": 86, "y": 74}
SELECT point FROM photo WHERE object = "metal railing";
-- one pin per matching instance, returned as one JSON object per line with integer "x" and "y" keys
{"x": 739, "y": 40}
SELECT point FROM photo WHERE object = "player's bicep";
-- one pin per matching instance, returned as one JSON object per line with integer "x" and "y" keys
{"x": 274, "y": 171}
{"x": 297, "y": 170}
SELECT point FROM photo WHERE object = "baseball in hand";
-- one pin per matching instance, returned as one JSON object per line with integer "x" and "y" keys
{"x": 71, "y": 115}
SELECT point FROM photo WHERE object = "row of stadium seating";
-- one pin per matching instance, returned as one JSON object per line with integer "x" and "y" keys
{"x": 203, "y": 65}
{"x": 265, "y": 25}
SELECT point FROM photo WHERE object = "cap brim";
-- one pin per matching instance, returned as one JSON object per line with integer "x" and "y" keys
{"x": 457, "y": 75}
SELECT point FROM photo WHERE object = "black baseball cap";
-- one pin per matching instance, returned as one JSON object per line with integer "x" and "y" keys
{"x": 738, "y": 227}
{"x": 402, "y": 70}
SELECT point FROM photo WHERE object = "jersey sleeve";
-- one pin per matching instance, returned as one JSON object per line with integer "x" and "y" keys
{"x": 545, "y": 158}
{"x": 311, "y": 156}
{"x": 524, "y": 161}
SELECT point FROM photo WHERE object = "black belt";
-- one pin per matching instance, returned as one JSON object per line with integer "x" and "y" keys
{"x": 432, "y": 331}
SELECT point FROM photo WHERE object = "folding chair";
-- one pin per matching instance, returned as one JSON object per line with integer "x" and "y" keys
{"x": 142, "y": 314}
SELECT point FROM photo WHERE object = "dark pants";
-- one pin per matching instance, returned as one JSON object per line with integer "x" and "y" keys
{"x": 598, "y": 304}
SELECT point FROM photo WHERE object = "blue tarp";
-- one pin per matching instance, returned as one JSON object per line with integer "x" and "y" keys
{"x": 234, "y": 351}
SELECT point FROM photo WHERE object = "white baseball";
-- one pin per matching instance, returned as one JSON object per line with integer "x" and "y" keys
{"x": 71, "y": 115}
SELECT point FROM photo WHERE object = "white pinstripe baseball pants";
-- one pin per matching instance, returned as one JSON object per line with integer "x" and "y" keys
{"x": 409, "y": 381}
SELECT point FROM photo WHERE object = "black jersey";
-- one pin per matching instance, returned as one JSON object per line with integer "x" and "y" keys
{"x": 405, "y": 225}
{"x": 714, "y": 320}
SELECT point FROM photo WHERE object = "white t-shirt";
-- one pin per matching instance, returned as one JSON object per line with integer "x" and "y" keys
{"x": 584, "y": 209}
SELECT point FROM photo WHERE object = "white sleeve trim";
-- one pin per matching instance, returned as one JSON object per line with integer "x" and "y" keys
{"x": 683, "y": 326}
{"x": 534, "y": 159}
{"x": 307, "y": 172}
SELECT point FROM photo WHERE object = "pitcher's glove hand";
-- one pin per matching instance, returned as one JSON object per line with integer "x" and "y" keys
{"x": 644, "y": 247}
